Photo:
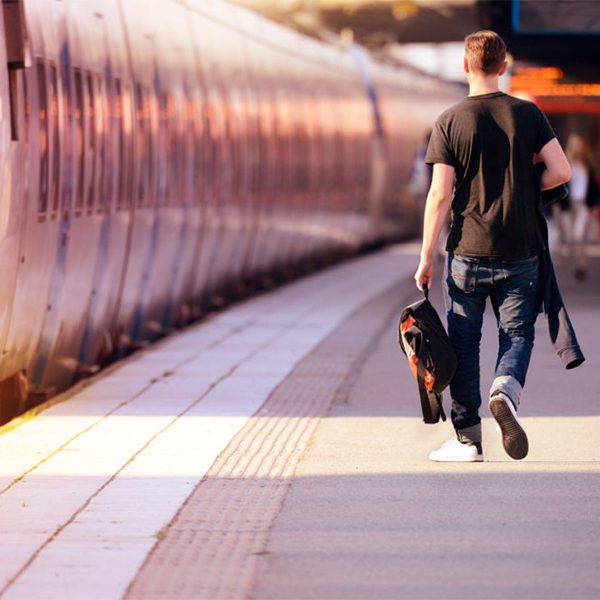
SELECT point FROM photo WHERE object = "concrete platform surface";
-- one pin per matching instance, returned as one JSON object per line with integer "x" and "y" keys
{"x": 276, "y": 451}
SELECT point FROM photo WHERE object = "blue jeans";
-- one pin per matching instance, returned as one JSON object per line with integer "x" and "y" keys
{"x": 513, "y": 288}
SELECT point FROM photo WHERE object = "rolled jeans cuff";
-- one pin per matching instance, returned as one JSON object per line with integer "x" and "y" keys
{"x": 470, "y": 434}
{"x": 508, "y": 385}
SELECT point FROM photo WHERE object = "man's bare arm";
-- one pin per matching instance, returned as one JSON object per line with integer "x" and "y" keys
{"x": 558, "y": 169}
{"x": 436, "y": 212}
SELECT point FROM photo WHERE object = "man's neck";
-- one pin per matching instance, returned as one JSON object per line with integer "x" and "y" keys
{"x": 478, "y": 86}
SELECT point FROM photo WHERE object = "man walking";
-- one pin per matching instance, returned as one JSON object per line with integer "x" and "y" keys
{"x": 482, "y": 152}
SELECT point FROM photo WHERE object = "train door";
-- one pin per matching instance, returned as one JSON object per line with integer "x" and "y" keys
{"x": 312, "y": 92}
{"x": 14, "y": 58}
{"x": 212, "y": 155}
{"x": 308, "y": 226}
{"x": 210, "y": 37}
{"x": 203, "y": 164}
{"x": 243, "y": 140}
{"x": 87, "y": 190}
{"x": 58, "y": 53}
{"x": 320, "y": 157}
{"x": 258, "y": 256}
{"x": 300, "y": 216}
{"x": 248, "y": 154}
{"x": 330, "y": 159}
{"x": 283, "y": 205}
{"x": 353, "y": 192}
{"x": 191, "y": 143}
{"x": 271, "y": 172}
{"x": 138, "y": 25}
{"x": 42, "y": 229}
{"x": 232, "y": 242}
{"x": 107, "y": 57}
{"x": 338, "y": 166}
{"x": 172, "y": 211}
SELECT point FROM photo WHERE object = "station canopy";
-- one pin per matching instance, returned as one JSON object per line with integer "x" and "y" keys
{"x": 546, "y": 31}
{"x": 554, "y": 44}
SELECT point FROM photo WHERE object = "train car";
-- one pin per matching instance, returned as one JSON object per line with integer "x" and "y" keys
{"x": 158, "y": 159}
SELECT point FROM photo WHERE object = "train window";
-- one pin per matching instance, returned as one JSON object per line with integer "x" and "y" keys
{"x": 102, "y": 200}
{"x": 172, "y": 164}
{"x": 144, "y": 146}
{"x": 18, "y": 104}
{"x": 14, "y": 101}
{"x": 138, "y": 100}
{"x": 149, "y": 123}
{"x": 271, "y": 136}
{"x": 233, "y": 138}
{"x": 165, "y": 146}
{"x": 79, "y": 141}
{"x": 111, "y": 166}
{"x": 208, "y": 155}
{"x": 152, "y": 121}
{"x": 183, "y": 146}
{"x": 191, "y": 132}
{"x": 43, "y": 137}
{"x": 198, "y": 124}
{"x": 54, "y": 129}
{"x": 16, "y": 55}
{"x": 127, "y": 194}
{"x": 91, "y": 144}
{"x": 177, "y": 151}
{"x": 26, "y": 107}
{"x": 119, "y": 120}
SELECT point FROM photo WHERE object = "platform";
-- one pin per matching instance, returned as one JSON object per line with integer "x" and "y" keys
{"x": 276, "y": 451}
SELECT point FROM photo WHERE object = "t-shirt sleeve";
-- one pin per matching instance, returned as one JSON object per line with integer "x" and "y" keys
{"x": 544, "y": 130}
{"x": 438, "y": 150}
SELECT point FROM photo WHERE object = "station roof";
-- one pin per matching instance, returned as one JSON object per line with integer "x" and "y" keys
{"x": 542, "y": 31}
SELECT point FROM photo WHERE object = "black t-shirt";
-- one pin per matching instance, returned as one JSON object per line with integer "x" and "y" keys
{"x": 490, "y": 140}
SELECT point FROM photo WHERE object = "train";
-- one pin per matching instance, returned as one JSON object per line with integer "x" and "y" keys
{"x": 159, "y": 159}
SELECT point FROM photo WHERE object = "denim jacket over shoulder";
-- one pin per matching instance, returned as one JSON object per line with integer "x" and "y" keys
{"x": 560, "y": 327}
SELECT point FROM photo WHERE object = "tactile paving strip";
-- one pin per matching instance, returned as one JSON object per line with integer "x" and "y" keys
{"x": 212, "y": 547}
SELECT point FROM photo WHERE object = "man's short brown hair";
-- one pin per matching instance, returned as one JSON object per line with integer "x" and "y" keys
{"x": 486, "y": 51}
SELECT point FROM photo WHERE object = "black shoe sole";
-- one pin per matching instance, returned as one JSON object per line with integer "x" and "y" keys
{"x": 514, "y": 437}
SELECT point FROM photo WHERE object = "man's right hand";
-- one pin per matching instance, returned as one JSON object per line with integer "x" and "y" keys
{"x": 436, "y": 212}
{"x": 424, "y": 273}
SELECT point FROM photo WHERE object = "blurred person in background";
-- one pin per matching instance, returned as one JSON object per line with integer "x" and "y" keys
{"x": 576, "y": 211}
{"x": 418, "y": 186}
{"x": 420, "y": 178}
{"x": 420, "y": 174}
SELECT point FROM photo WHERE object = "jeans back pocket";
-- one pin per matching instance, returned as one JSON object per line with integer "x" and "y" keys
{"x": 463, "y": 273}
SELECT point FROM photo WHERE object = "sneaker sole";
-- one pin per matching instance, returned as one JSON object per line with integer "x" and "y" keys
{"x": 478, "y": 458}
{"x": 514, "y": 438}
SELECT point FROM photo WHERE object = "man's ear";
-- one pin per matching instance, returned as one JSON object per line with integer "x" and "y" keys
{"x": 503, "y": 68}
{"x": 466, "y": 64}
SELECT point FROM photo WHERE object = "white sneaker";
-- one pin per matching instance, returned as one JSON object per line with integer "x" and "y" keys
{"x": 455, "y": 451}
{"x": 514, "y": 438}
